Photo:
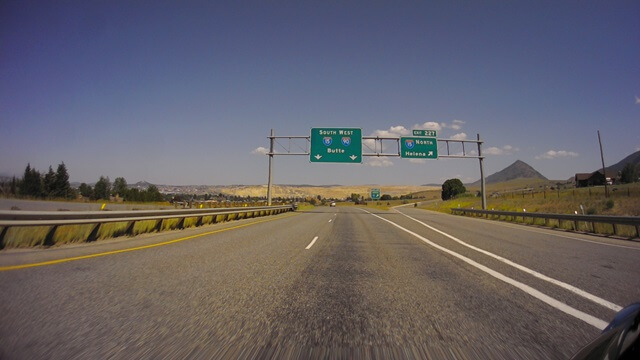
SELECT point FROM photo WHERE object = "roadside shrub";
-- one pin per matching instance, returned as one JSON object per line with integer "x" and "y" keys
{"x": 591, "y": 211}
{"x": 451, "y": 188}
{"x": 609, "y": 204}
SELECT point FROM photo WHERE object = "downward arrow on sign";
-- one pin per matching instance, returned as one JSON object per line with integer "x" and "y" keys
{"x": 353, "y": 157}
{"x": 318, "y": 156}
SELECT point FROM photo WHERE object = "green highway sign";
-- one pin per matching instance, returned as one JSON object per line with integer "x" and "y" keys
{"x": 427, "y": 133}
{"x": 418, "y": 148}
{"x": 338, "y": 145}
{"x": 375, "y": 194}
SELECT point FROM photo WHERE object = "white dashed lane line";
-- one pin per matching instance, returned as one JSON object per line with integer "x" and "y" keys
{"x": 311, "y": 243}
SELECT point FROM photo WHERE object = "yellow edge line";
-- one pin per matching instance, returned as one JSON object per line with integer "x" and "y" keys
{"x": 58, "y": 261}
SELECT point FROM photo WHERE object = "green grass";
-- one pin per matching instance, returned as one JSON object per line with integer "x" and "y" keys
{"x": 305, "y": 206}
{"x": 625, "y": 201}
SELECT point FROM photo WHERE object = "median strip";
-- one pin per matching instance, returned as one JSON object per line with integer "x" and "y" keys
{"x": 113, "y": 252}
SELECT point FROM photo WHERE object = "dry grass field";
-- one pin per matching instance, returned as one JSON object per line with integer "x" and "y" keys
{"x": 624, "y": 200}
{"x": 329, "y": 192}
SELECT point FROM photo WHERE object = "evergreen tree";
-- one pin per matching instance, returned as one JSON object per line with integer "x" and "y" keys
{"x": 153, "y": 194}
{"x": 48, "y": 183}
{"x": 31, "y": 184}
{"x": 628, "y": 174}
{"x": 14, "y": 186}
{"x": 62, "y": 186}
{"x": 24, "y": 184}
{"x": 102, "y": 189}
{"x": 120, "y": 187}
{"x": 86, "y": 191}
{"x": 133, "y": 195}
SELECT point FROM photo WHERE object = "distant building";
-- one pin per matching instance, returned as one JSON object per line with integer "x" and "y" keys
{"x": 596, "y": 178}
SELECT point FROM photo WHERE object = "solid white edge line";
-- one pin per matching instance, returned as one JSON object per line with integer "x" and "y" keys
{"x": 589, "y": 319}
{"x": 573, "y": 289}
{"x": 551, "y": 233}
{"x": 311, "y": 243}
{"x": 548, "y": 232}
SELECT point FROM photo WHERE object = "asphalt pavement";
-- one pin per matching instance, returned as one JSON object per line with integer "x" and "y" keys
{"x": 341, "y": 282}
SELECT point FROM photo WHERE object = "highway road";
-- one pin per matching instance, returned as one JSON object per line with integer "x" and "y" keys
{"x": 341, "y": 282}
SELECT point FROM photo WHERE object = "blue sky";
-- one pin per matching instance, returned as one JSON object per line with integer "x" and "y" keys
{"x": 186, "y": 92}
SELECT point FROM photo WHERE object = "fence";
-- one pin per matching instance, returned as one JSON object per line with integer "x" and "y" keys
{"x": 615, "y": 191}
{"x": 54, "y": 219}
{"x": 619, "y": 225}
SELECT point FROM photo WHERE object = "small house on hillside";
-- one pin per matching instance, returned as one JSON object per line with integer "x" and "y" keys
{"x": 596, "y": 178}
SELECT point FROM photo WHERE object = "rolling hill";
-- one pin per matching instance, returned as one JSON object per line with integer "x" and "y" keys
{"x": 517, "y": 170}
{"x": 633, "y": 159}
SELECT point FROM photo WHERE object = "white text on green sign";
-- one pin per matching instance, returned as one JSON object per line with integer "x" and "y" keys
{"x": 427, "y": 133}
{"x": 418, "y": 148}
{"x": 342, "y": 145}
{"x": 375, "y": 194}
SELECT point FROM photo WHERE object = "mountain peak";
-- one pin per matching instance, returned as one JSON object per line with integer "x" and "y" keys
{"x": 518, "y": 170}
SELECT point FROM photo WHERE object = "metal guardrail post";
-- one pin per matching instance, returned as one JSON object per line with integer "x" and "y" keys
{"x": 158, "y": 226}
{"x": 2, "y": 235}
{"x": 93, "y": 236}
{"x": 48, "y": 240}
{"x": 129, "y": 230}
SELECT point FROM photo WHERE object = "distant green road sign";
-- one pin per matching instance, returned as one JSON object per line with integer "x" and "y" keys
{"x": 418, "y": 148}
{"x": 427, "y": 133}
{"x": 338, "y": 145}
{"x": 375, "y": 194}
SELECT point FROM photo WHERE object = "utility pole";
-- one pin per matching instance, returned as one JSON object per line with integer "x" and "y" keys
{"x": 606, "y": 188}
{"x": 271, "y": 140}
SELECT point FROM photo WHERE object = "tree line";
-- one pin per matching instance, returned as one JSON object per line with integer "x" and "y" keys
{"x": 103, "y": 189}
{"x": 55, "y": 185}
{"x": 43, "y": 186}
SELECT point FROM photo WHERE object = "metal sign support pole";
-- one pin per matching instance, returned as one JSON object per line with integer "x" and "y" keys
{"x": 376, "y": 152}
{"x": 483, "y": 188}
{"x": 271, "y": 140}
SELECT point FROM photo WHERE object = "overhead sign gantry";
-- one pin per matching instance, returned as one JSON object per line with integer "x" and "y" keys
{"x": 345, "y": 145}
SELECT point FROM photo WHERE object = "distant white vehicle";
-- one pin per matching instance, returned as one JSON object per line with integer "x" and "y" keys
{"x": 333, "y": 204}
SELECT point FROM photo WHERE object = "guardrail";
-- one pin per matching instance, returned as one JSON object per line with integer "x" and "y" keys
{"x": 54, "y": 219}
{"x": 575, "y": 220}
